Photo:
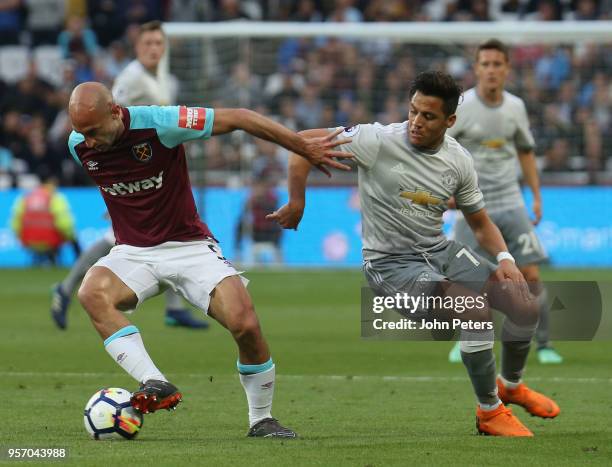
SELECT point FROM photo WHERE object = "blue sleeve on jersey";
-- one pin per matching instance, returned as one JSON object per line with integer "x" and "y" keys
{"x": 74, "y": 140}
{"x": 174, "y": 124}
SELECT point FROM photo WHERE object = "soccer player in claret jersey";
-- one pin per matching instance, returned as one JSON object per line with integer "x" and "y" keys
{"x": 407, "y": 173}
{"x": 493, "y": 125}
{"x": 136, "y": 157}
{"x": 143, "y": 82}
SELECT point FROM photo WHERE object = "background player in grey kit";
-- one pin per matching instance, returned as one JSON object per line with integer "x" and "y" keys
{"x": 143, "y": 82}
{"x": 141, "y": 171}
{"x": 407, "y": 173}
{"x": 493, "y": 125}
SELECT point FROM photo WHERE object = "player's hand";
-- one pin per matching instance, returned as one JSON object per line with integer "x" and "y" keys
{"x": 288, "y": 216}
{"x": 507, "y": 271}
{"x": 319, "y": 151}
{"x": 509, "y": 275}
{"x": 536, "y": 207}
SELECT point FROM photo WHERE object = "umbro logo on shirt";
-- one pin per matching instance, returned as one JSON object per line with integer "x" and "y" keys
{"x": 92, "y": 165}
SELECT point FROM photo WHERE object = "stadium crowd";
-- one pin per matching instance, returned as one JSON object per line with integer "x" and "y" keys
{"x": 303, "y": 82}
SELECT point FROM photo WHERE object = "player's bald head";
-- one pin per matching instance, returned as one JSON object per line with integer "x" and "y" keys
{"x": 94, "y": 114}
{"x": 88, "y": 101}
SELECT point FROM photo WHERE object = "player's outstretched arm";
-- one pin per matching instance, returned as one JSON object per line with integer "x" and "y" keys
{"x": 289, "y": 215}
{"x": 319, "y": 151}
{"x": 490, "y": 239}
{"x": 530, "y": 174}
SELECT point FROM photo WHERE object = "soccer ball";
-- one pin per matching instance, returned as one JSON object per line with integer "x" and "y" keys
{"x": 109, "y": 415}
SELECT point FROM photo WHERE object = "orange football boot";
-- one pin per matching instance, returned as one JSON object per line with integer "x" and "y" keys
{"x": 532, "y": 401}
{"x": 500, "y": 422}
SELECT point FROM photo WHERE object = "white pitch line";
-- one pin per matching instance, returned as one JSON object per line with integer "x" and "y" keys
{"x": 397, "y": 378}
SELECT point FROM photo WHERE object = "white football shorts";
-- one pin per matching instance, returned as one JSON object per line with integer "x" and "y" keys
{"x": 192, "y": 269}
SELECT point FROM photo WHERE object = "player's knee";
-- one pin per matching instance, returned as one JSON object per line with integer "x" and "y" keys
{"x": 92, "y": 296}
{"x": 527, "y": 313}
{"x": 244, "y": 323}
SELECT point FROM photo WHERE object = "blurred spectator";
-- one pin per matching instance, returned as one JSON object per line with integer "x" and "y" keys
{"x": 306, "y": 11}
{"x": 553, "y": 129}
{"x": 544, "y": 10}
{"x": 280, "y": 86}
{"x": 230, "y": 10}
{"x": 107, "y": 20}
{"x": 40, "y": 156}
{"x": 567, "y": 102}
{"x": 141, "y": 11}
{"x": 43, "y": 222}
{"x": 309, "y": 108}
{"x": 345, "y": 12}
{"x": 469, "y": 10}
{"x": 344, "y": 110}
{"x": 190, "y": 10}
{"x": 553, "y": 68}
{"x": 242, "y": 89}
{"x": 214, "y": 154}
{"x": 77, "y": 39}
{"x": 584, "y": 10}
{"x": 557, "y": 156}
{"x": 13, "y": 134}
{"x": 7, "y": 167}
{"x": 391, "y": 10}
{"x": 364, "y": 91}
{"x": 10, "y": 21}
{"x": 268, "y": 164}
{"x": 328, "y": 117}
{"x": 286, "y": 114}
{"x": 116, "y": 59}
{"x": 593, "y": 147}
{"x": 265, "y": 234}
{"x": 45, "y": 20}
{"x": 29, "y": 96}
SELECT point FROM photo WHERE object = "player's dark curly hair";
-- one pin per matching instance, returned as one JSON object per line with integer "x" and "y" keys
{"x": 438, "y": 84}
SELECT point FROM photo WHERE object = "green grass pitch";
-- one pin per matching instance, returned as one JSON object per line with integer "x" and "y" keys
{"x": 353, "y": 402}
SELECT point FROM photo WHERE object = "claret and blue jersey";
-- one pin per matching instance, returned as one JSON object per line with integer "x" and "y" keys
{"x": 143, "y": 177}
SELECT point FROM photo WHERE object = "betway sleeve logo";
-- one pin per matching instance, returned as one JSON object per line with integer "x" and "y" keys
{"x": 192, "y": 118}
{"x": 154, "y": 182}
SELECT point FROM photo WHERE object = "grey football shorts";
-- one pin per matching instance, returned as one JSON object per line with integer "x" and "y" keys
{"x": 417, "y": 274}
{"x": 518, "y": 232}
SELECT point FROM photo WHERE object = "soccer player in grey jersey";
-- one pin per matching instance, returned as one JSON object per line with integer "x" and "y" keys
{"x": 407, "y": 174}
{"x": 493, "y": 125}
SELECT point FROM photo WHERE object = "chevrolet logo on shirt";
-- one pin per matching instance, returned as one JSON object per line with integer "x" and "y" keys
{"x": 424, "y": 198}
{"x": 494, "y": 143}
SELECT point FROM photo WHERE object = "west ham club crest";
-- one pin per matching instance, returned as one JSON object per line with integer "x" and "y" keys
{"x": 142, "y": 152}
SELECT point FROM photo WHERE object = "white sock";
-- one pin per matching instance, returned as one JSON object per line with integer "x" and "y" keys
{"x": 487, "y": 407}
{"x": 509, "y": 384}
{"x": 127, "y": 349}
{"x": 259, "y": 389}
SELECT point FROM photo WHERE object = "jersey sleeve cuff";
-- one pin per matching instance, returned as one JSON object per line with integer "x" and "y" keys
{"x": 472, "y": 207}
